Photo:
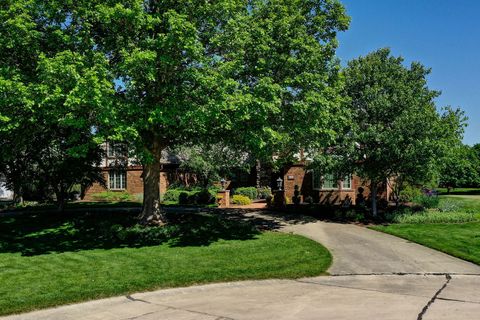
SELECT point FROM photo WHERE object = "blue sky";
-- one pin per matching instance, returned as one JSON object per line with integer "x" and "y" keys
{"x": 442, "y": 34}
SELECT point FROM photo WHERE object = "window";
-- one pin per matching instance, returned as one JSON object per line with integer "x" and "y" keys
{"x": 324, "y": 183}
{"x": 347, "y": 182}
{"x": 117, "y": 180}
{"x": 329, "y": 182}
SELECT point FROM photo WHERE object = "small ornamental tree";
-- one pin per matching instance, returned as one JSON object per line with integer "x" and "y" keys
{"x": 212, "y": 162}
{"x": 258, "y": 75}
{"x": 396, "y": 130}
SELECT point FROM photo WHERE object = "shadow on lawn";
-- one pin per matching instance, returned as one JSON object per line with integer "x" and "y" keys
{"x": 51, "y": 232}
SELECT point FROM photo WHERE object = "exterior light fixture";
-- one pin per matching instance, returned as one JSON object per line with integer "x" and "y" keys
{"x": 223, "y": 182}
{"x": 279, "y": 183}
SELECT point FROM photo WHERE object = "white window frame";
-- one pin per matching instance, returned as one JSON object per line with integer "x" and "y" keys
{"x": 318, "y": 182}
{"x": 331, "y": 179}
{"x": 350, "y": 182}
{"x": 117, "y": 180}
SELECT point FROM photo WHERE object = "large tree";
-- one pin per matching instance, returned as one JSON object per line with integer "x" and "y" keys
{"x": 53, "y": 90}
{"x": 258, "y": 75}
{"x": 396, "y": 130}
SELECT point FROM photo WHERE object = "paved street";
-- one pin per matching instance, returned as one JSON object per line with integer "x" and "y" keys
{"x": 374, "y": 276}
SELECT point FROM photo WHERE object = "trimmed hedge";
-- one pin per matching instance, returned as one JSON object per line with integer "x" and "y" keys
{"x": 112, "y": 196}
{"x": 197, "y": 196}
{"x": 250, "y": 192}
{"x": 241, "y": 200}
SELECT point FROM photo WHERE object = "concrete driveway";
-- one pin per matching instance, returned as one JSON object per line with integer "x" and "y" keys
{"x": 374, "y": 276}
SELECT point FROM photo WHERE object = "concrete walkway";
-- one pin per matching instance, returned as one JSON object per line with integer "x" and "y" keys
{"x": 358, "y": 250}
{"x": 375, "y": 276}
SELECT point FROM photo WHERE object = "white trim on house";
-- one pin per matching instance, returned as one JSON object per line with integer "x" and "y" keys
{"x": 117, "y": 180}
{"x": 350, "y": 180}
{"x": 318, "y": 183}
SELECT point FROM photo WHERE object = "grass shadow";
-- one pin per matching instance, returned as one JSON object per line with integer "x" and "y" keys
{"x": 46, "y": 232}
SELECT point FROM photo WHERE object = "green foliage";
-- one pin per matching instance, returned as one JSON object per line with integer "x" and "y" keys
{"x": 112, "y": 196}
{"x": 241, "y": 200}
{"x": 460, "y": 168}
{"x": 185, "y": 198}
{"x": 209, "y": 162}
{"x": 205, "y": 197}
{"x": 409, "y": 193}
{"x": 449, "y": 205}
{"x": 172, "y": 195}
{"x": 396, "y": 129}
{"x": 190, "y": 197}
{"x": 55, "y": 90}
{"x": 250, "y": 192}
{"x": 427, "y": 201}
{"x": 259, "y": 76}
{"x": 264, "y": 192}
{"x": 432, "y": 217}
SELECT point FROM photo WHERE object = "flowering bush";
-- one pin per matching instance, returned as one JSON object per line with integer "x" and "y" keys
{"x": 241, "y": 200}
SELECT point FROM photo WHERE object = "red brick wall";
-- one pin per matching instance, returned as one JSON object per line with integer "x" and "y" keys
{"x": 298, "y": 175}
{"x": 294, "y": 175}
{"x": 134, "y": 183}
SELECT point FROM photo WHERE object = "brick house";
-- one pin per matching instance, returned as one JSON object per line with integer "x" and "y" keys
{"x": 326, "y": 189}
{"x": 123, "y": 174}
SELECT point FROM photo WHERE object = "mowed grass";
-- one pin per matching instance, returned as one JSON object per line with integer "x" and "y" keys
{"x": 49, "y": 262}
{"x": 461, "y": 240}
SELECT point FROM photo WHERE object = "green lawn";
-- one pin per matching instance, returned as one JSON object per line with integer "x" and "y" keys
{"x": 52, "y": 259}
{"x": 458, "y": 239}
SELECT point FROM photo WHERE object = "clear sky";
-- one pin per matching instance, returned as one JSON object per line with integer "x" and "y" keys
{"x": 441, "y": 34}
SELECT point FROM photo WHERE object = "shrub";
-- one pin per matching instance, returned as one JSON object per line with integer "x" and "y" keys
{"x": 394, "y": 215}
{"x": 192, "y": 198}
{"x": 183, "y": 197}
{"x": 427, "y": 201}
{"x": 263, "y": 192}
{"x": 112, "y": 196}
{"x": 449, "y": 205}
{"x": 409, "y": 194}
{"x": 250, "y": 192}
{"x": 241, "y": 200}
{"x": 205, "y": 197}
{"x": 172, "y": 195}
{"x": 435, "y": 217}
{"x": 269, "y": 200}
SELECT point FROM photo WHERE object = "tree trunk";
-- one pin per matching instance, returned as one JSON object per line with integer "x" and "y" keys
{"x": 151, "y": 212}
{"x": 60, "y": 194}
{"x": 374, "y": 198}
{"x": 17, "y": 195}
{"x": 60, "y": 203}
